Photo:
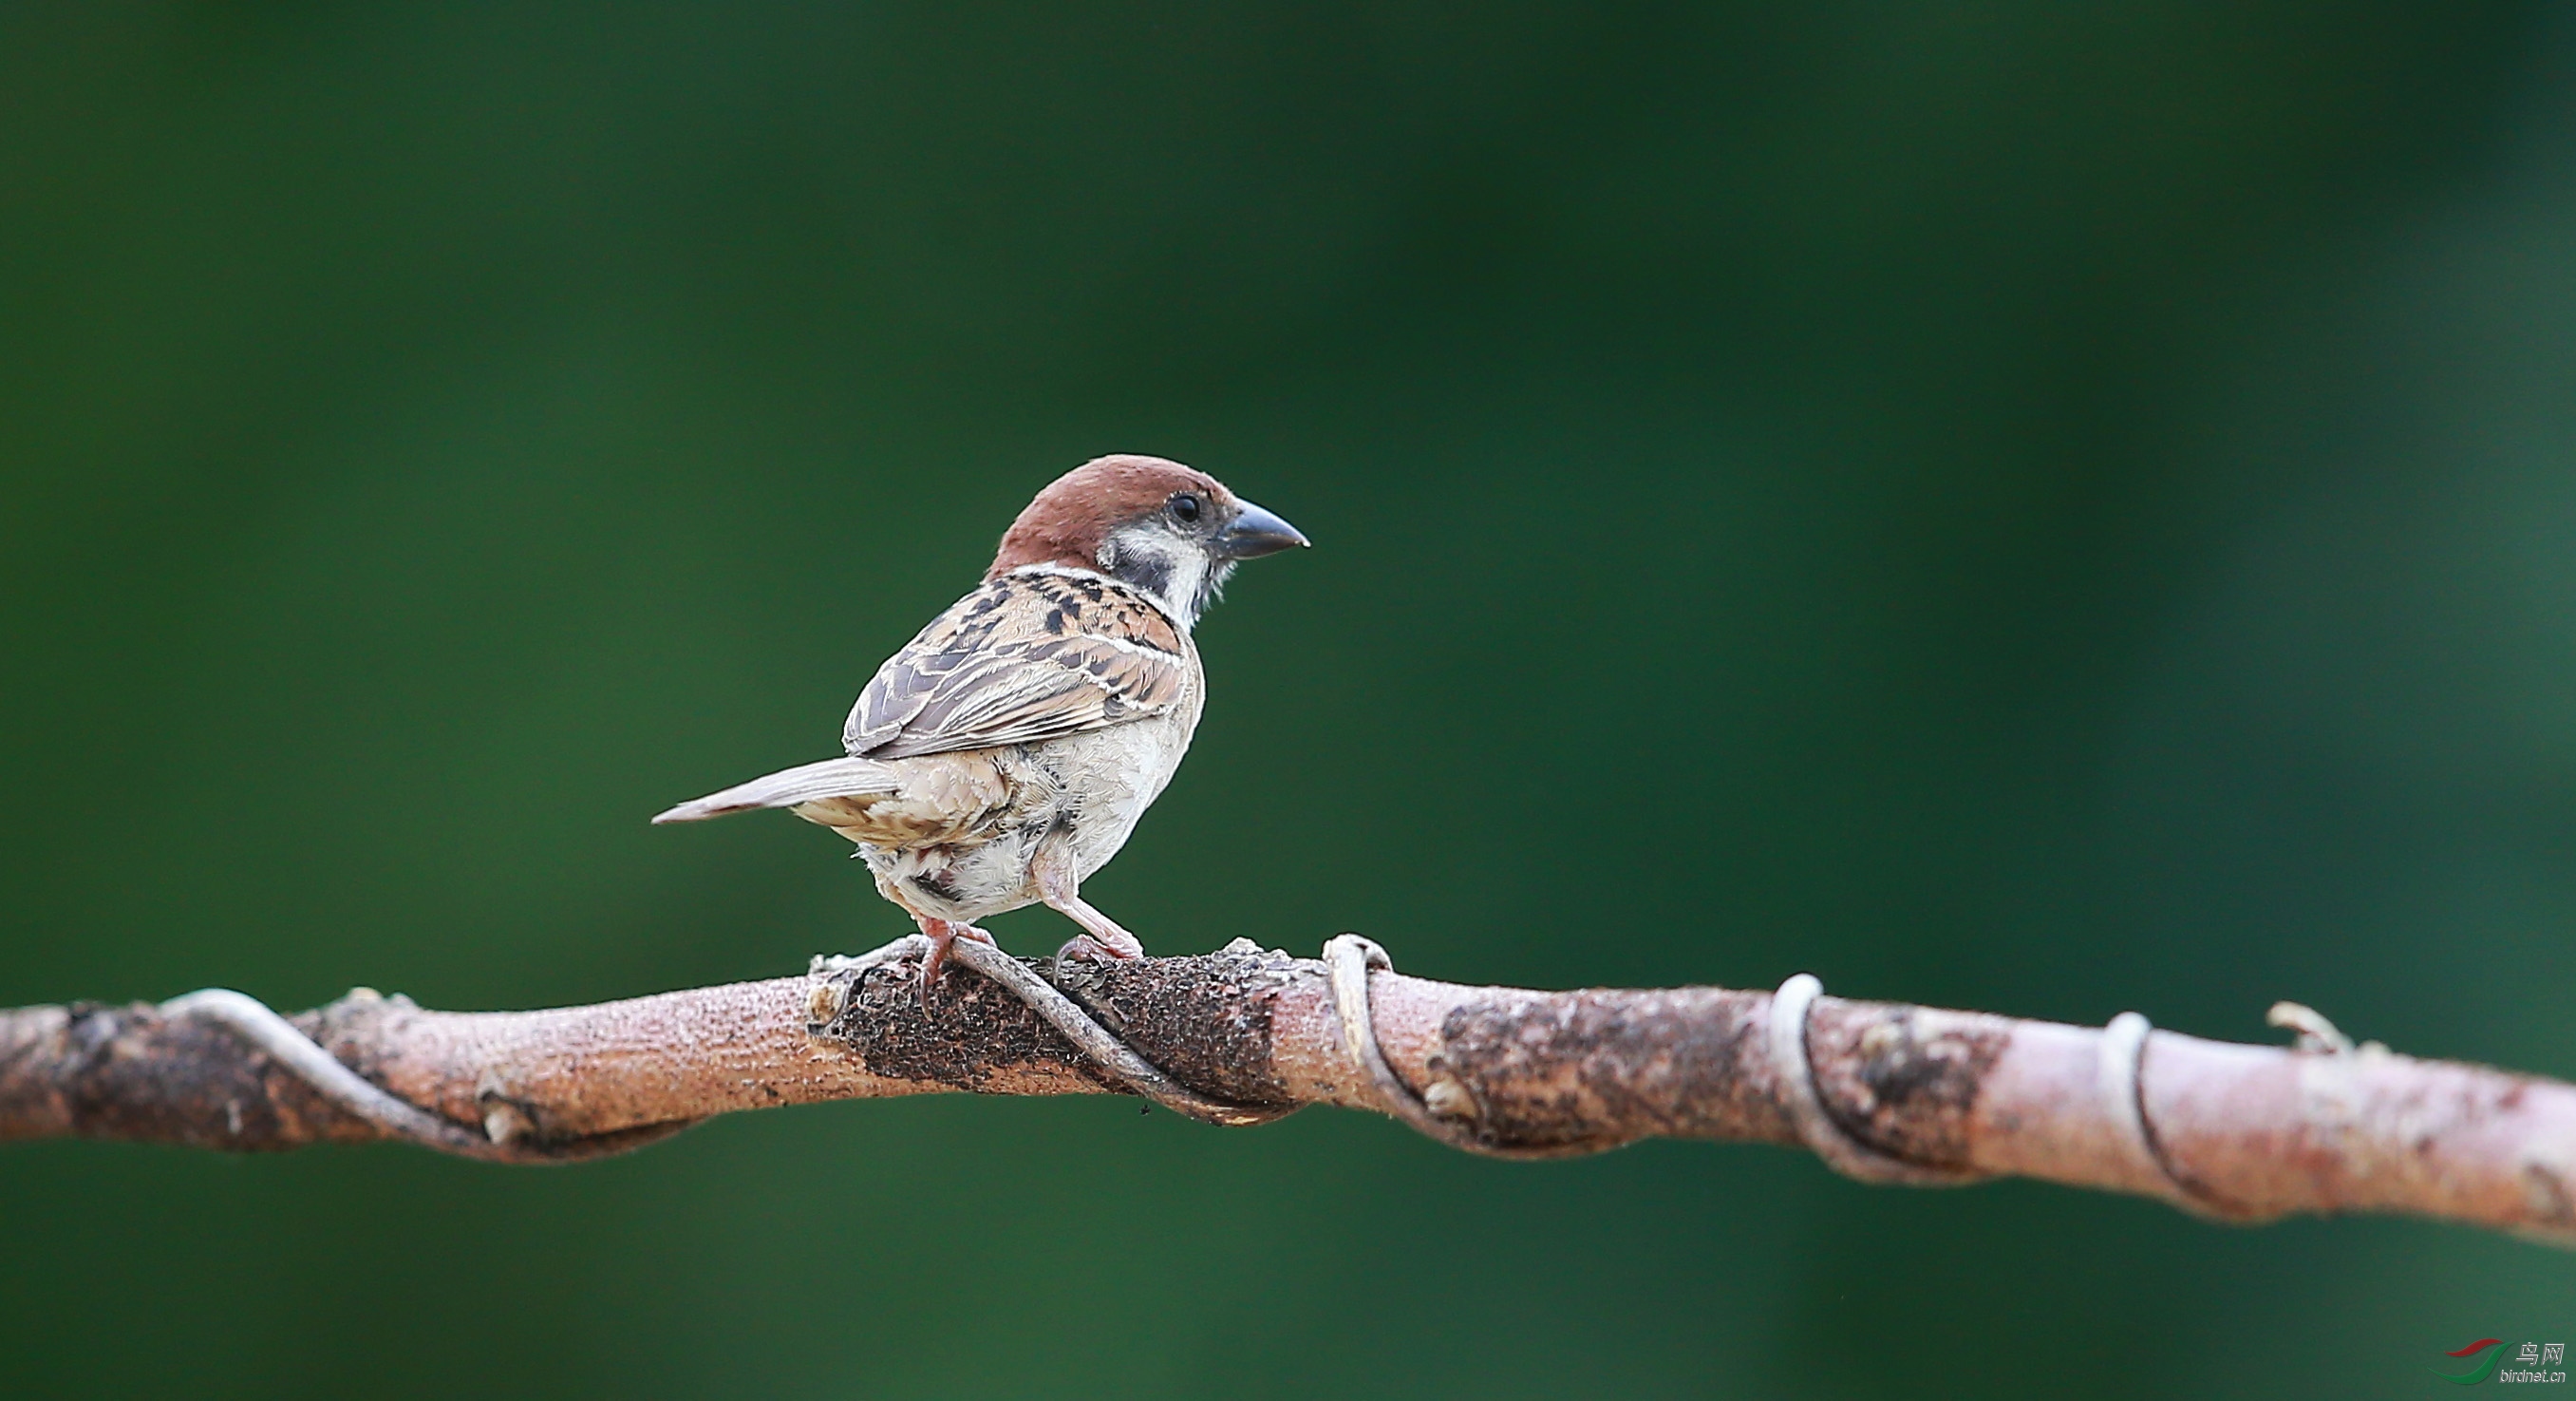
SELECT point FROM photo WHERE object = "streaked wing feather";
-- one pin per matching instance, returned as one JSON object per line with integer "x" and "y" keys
{"x": 1027, "y": 657}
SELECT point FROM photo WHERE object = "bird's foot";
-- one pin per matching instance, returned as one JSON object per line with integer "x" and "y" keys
{"x": 1101, "y": 936}
{"x": 941, "y": 934}
{"x": 1088, "y": 949}
{"x": 823, "y": 963}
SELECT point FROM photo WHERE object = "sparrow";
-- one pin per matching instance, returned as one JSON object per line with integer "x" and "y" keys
{"x": 1005, "y": 754}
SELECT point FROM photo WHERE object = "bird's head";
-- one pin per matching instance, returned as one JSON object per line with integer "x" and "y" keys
{"x": 1171, "y": 531}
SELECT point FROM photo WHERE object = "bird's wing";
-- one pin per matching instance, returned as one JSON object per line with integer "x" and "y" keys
{"x": 1029, "y": 656}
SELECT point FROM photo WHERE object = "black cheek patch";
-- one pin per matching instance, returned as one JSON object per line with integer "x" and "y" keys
{"x": 1149, "y": 572}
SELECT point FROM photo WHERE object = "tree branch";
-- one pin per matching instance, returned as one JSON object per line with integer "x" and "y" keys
{"x": 1883, "y": 1091}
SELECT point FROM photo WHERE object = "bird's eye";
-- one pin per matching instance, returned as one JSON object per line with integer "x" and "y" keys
{"x": 1185, "y": 507}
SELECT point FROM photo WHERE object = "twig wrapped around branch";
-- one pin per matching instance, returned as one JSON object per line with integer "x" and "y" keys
{"x": 1883, "y": 1091}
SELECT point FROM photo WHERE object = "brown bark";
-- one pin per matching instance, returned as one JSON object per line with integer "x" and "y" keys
{"x": 2238, "y": 1131}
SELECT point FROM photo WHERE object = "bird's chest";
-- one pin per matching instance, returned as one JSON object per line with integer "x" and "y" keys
{"x": 1103, "y": 781}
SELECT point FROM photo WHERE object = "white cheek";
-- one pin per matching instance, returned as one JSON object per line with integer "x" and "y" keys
{"x": 1181, "y": 565}
{"x": 1189, "y": 570}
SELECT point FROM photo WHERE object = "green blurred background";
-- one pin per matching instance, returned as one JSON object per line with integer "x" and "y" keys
{"x": 2039, "y": 507}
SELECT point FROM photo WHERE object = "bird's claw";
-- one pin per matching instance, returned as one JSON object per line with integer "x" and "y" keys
{"x": 1084, "y": 948}
{"x": 941, "y": 934}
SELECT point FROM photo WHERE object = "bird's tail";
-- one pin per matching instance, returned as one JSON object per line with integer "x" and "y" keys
{"x": 832, "y": 778}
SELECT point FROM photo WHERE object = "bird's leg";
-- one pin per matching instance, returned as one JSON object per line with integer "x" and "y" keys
{"x": 1101, "y": 936}
{"x": 941, "y": 934}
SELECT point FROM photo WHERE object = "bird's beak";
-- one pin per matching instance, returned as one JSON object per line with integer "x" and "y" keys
{"x": 1253, "y": 533}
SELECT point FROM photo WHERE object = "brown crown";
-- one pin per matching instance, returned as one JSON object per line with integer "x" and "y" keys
{"x": 1068, "y": 521}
